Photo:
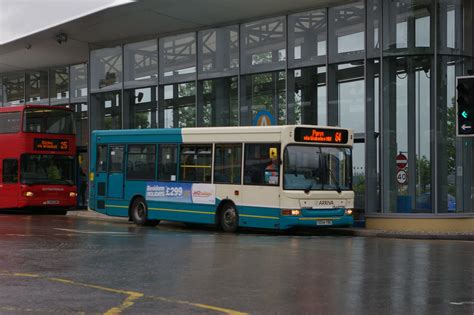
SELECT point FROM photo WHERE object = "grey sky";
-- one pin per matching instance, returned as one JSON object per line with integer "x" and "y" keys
{"x": 19, "y": 18}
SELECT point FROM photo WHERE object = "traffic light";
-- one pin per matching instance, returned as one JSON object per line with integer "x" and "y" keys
{"x": 465, "y": 106}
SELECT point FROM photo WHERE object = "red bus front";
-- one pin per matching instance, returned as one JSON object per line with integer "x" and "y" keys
{"x": 37, "y": 158}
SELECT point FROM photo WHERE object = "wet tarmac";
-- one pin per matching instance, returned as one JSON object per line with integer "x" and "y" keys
{"x": 75, "y": 265}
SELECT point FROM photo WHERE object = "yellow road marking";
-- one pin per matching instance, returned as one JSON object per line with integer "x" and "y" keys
{"x": 26, "y": 275}
{"x": 129, "y": 301}
{"x": 209, "y": 307}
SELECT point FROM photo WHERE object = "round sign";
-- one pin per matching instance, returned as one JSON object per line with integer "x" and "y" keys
{"x": 402, "y": 177}
{"x": 401, "y": 161}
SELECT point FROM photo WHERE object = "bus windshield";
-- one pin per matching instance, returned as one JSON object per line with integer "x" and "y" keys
{"x": 47, "y": 169}
{"x": 317, "y": 168}
{"x": 48, "y": 120}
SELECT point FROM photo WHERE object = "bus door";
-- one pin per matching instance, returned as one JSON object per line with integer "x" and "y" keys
{"x": 9, "y": 188}
{"x": 115, "y": 179}
{"x": 99, "y": 188}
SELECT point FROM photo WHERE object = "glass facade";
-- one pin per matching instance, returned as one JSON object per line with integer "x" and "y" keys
{"x": 386, "y": 69}
{"x": 59, "y": 86}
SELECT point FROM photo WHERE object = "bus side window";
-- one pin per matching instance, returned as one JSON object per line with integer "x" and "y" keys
{"x": 228, "y": 164}
{"x": 167, "y": 162}
{"x": 101, "y": 165}
{"x": 195, "y": 163}
{"x": 259, "y": 167}
{"x": 116, "y": 159}
{"x": 141, "y": 162}
{"x": 10, "y": 171}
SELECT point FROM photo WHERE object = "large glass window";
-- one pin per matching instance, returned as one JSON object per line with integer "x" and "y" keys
{"x": 47, "y": 169}
{"x": 140, "y": 64}
{"x": 407, "y": 26}
{"x": 407, "y": 122}
{"x": 218, "y": 102}
{"x": 14, "y": 89}
{"x": 59, "y": 86}
{"x": 37, "y": 87}
{"x": 2, "y": 88}
{"x": 307, "y": 97}
{"x": 374, "y": 28}
{"x": 10, "y": 122}
{"x": 307, "y": 38}
{"x": 78, "y": 79}
{"x": 265, "y": 99}
{"x": 82, "y": 123}
{"x": 228, "y": 164}
{"x": 263, "y": 45}
{"x": 106, "y": 69}
{"x": 346, "y": 32}
{"x": 178, "y": 105}
{"x": 453, "y": 153}
{"x": 195, "y": 163}
{"x": 178, "y": 58}
{"x": 317, "y": 168}
{"x": 453, "y": 20}
{"x": 346, "y": 108}
{"x": 141, "y": 161}
{"x": 106, "y": 111}
{"x": 218, "y": 52}
{"x": 51, "y": 120}
{"x": 141, "y": 105}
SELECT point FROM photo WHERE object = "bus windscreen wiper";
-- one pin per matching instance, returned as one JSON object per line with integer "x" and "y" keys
{"x": 338, "y": 187}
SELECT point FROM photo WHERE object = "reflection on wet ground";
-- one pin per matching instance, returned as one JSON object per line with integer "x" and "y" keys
{"x": 71, "y": 265}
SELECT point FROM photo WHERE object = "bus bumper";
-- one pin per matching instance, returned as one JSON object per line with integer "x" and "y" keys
{"x": 287, "y": 222}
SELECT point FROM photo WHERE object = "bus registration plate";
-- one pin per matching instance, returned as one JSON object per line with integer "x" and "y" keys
{"x": 324, "y": 222}
{"x": 52, "y": 202}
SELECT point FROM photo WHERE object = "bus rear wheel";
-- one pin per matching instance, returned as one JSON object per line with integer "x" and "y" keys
{"x": 139, "y": 213}
{"x": 229, "y": 218}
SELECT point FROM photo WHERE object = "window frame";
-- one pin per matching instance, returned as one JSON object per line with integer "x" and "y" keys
{"x": 234, "y": 144}
{"x": 10, "y": 175}
{"x": 127, "y": 151}
{"x": 211, "y": 165}
{"x": 19, "y": 126}
{"x": 109, "y": 170}
{"x": 278, "y": 144}
{"x": 103, "y": 169}
{"x": 176, "y": 161}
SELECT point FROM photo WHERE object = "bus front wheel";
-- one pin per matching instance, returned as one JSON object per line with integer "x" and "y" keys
{"x": 229, "y": 218}
{"x": 139, "y": 213}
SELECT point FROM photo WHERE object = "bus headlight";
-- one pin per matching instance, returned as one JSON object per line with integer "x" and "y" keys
{"x": 348, "y": 212}
{"x": 29, "y": 194}
{"x": 72, "y": 194}
{"x": 293, "y": 212}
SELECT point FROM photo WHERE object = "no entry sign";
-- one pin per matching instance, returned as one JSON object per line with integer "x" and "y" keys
{"x": 401, "y": 161}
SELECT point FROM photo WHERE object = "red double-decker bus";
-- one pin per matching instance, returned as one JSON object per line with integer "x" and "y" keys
{"x": 37, "y": 158}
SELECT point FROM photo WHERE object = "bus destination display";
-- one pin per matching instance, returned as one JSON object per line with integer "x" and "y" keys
{"x": 321, "y": 135}
{"x": 50, "y": 144}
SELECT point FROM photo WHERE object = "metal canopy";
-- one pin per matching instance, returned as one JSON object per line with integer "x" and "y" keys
{"x": 136, "y": 21}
